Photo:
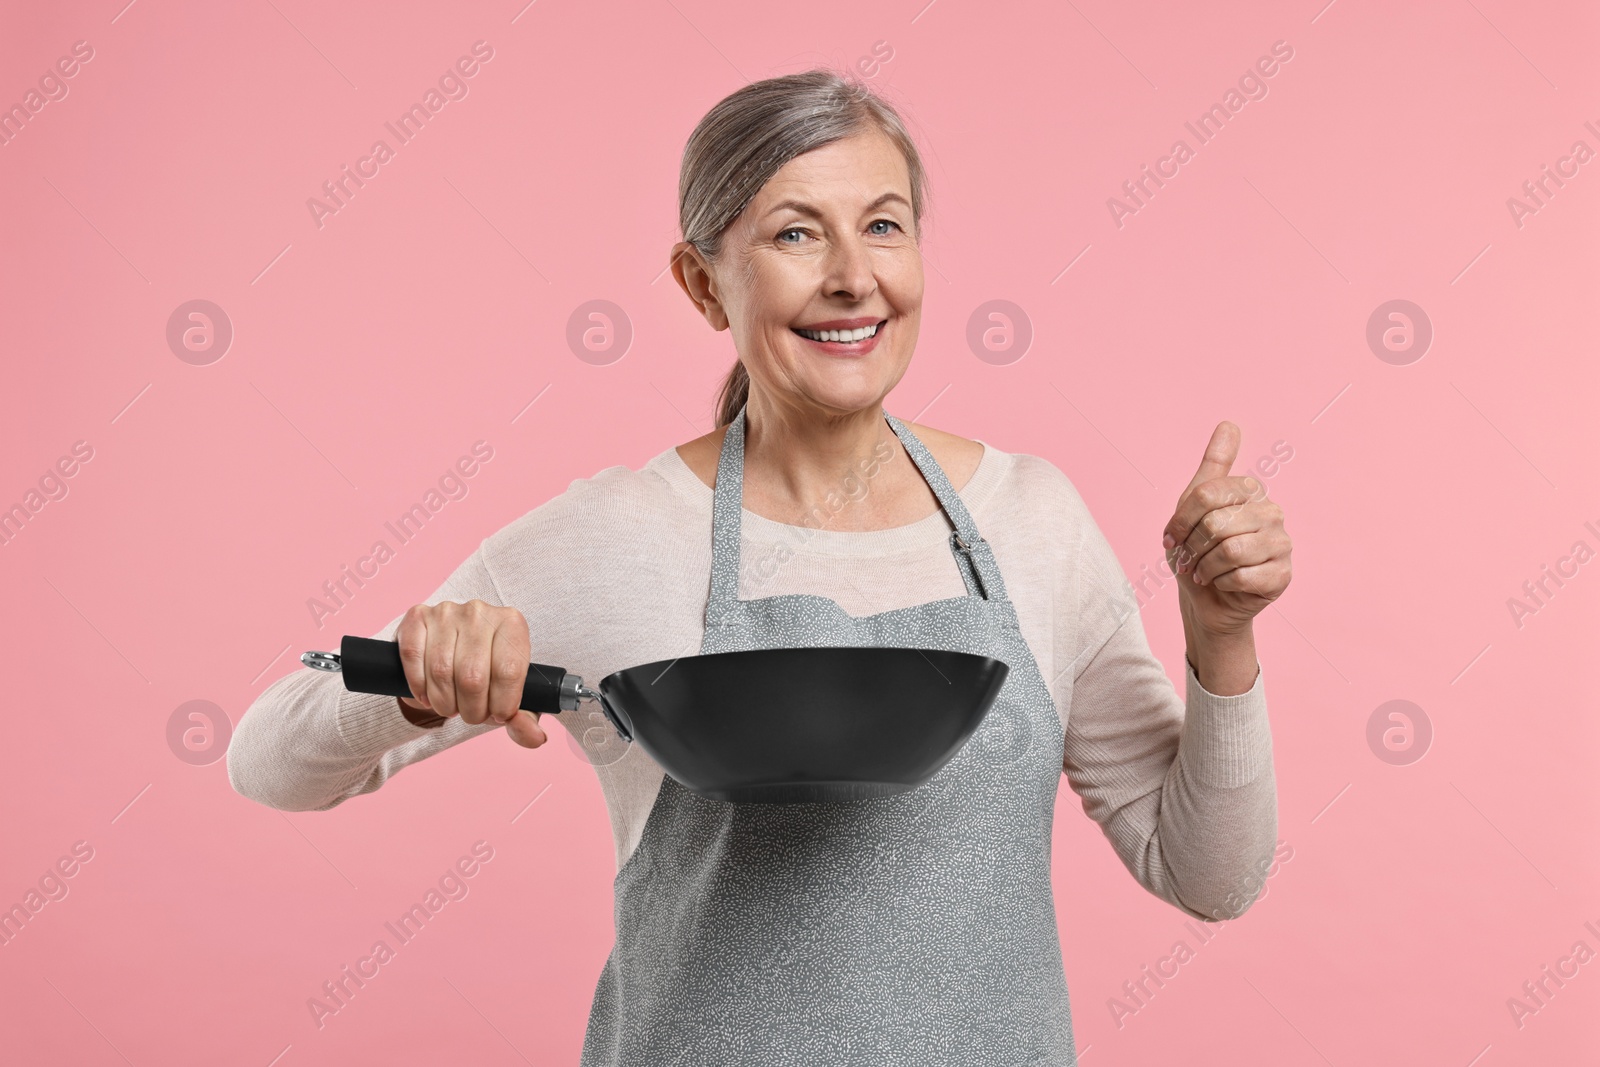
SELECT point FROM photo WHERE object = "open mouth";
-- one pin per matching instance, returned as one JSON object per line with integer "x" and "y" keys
{"x": 857, "y": 340}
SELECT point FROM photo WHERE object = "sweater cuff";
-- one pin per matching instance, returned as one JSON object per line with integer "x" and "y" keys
{"x": 1227, "y": 741}
{"x": 371, "y": 724}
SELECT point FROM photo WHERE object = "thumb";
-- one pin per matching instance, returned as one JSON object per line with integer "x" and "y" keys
{"x": 525, "y": 730}
{"x": 1221, "y": 451}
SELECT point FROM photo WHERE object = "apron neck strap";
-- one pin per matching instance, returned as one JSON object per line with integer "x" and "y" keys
{"x": 974, "y": 558}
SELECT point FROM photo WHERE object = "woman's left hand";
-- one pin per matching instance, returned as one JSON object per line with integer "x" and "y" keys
{"x": 1226, "y": 541}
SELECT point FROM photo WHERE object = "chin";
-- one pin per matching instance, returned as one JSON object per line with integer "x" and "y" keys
{"x": 844, "y": 385}
{"x": 851, "y": 397}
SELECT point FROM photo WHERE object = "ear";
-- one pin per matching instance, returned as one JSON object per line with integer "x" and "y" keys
{"x": 694, "y": 277}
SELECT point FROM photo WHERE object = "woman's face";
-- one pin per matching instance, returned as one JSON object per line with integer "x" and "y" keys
{"x": 828, "y": 242}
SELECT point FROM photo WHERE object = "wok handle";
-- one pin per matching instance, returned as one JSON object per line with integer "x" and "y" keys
{"x": 371, "y": 666}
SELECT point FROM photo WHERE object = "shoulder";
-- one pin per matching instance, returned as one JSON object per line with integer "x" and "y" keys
{"x": 958, "y": 456}
{"x": 614, "y": 502}
{"x": 1036, "y": 500}
{"x": 701, "y": 454}
{"x": 1046, "y": 532}
{"x": 1036, "y": 486}
{"x": 1035, "y": 474}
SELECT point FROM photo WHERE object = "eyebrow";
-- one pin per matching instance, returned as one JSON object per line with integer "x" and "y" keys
{"x": 806, "y": 209}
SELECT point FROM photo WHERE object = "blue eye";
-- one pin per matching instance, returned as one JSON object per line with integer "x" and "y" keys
{"x": 891, "y": 222}
{"x": 792, "y": 229}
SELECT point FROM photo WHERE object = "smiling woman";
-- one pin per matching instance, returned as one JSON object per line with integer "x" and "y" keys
{"x": 908, "y": 928}
{"x": 780, "y": 198}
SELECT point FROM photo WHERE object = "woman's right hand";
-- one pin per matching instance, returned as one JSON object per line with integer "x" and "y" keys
{"x": 469, "y": 660}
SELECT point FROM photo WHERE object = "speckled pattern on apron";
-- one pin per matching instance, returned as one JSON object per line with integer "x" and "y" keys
{"x": 915, "y": 929}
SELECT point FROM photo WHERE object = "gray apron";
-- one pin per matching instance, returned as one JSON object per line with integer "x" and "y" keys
{"x": 915, "y": 929}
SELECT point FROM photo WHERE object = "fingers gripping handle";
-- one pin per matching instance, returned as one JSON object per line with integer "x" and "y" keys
{"x": 371, "y": 666}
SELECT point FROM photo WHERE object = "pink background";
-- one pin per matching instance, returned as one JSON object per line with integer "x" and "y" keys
{"x": 426, "y": 314}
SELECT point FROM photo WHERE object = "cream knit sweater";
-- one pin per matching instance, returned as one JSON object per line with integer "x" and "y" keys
{"x": 615, "y": 572}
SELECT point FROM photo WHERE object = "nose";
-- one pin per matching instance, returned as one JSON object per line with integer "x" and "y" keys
{"x": 849, "y": 272}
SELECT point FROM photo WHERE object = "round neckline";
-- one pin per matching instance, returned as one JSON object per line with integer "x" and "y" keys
{"x": 933, "y": 528}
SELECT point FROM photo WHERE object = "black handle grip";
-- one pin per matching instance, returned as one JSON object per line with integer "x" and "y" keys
{"x": 370, "y": 666}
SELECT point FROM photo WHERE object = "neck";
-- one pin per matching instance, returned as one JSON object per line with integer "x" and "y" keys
{"x": 799, "y": 458}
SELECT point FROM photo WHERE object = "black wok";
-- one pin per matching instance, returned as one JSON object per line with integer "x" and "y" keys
{"x": 777, "y": 725}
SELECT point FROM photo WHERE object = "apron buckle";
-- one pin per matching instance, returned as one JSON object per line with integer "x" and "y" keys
{"x": 976, "y": 582}
{"x": 961, "y": 542}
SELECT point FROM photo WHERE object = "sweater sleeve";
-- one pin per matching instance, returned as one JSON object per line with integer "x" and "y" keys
{"x": 1183, "y": 789}
{"x": 307, "y": 744}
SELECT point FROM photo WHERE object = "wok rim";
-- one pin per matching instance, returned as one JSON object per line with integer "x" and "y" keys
{"x": 666, "y": 664}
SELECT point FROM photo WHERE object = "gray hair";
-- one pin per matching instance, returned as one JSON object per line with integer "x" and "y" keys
{"x": 747, "y": 138}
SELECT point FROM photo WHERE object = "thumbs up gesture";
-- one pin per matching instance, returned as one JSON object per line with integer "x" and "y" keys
{"x": 1226, "y": 542}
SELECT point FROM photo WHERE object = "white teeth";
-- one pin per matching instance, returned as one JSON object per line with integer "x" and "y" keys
{"x": 847, "y": 336}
